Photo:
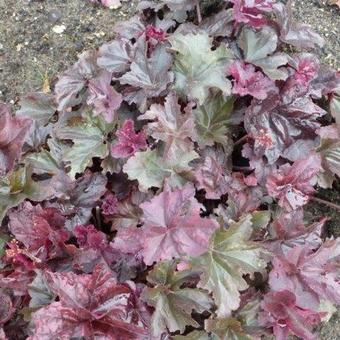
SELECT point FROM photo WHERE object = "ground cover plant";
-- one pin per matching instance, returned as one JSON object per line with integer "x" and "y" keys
{"x": 158, "y": 192}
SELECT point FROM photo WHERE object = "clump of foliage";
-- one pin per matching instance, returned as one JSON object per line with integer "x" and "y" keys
{"x": 158, "y": 192}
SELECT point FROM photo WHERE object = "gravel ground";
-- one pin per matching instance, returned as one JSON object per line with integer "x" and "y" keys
{"x": 33, "y": 53}
{"x": 31, "y": 50}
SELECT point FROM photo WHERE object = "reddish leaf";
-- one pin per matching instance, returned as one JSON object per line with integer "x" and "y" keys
{"x": 109, "y": 205}
{"x": 288, "y": 230}
{"x": 128, "y": 141}
{"x": 173, "y": 226}
{"x": 88, "y": 306}
{"x": 251, "y": 11}
{"x": 248, "y": 81}
{"x": 310, "y": 276}
{"x": 281, "y": 313}
{"x": 293, "y": 33}
{"x": 40, "y": 230}
{"x": 292, "y": 184}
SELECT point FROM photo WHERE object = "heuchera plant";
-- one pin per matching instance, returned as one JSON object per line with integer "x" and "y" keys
{"x": 158, "y": 192}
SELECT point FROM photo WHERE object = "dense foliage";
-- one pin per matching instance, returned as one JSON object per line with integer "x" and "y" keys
{"x": 158, "y": 193}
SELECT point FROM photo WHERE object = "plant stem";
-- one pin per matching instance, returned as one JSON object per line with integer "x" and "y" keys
{"x": 242, "y": 168}
{"x": 198, "y": 10}
{"x": 98, "y": 219}
{"x": 241, "y": 140}
{"x": 330, "y": 204}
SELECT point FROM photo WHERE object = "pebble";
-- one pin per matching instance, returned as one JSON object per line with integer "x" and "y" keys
{"x": 59, "y": 29}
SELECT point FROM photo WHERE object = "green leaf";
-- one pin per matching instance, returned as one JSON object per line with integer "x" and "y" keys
{"x": 226, "y": 329}
{"x": 3, "y": 240}
{"x": 48, "y": 166}
{"x": 195, "y": 335}
{"x": 335, "y": 106}
{"x": 230, "y": 256}
{"x": 257, "y": 49}
{"x": 257, "y": 45}
{"x": 260, "y": 219}
{"x": 19, "y": 186}
{"x": 150, "y": 169}
{"x": 197, "y": 68}
{"x": 330, "y": 154}
{"x": 173, "y": 304}
{"x": 38, "y": 106}
{"x": 212, "y": 120}
{"x": 89, "y": 136}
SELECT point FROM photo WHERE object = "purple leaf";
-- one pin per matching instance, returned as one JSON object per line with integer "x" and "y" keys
{"x": 105, "y": 99}
{"x": 248, "y": 81}
{"x": 128, "y": 141}
{"x": 172, "y": 226}
{"x": 40, "y": 230}
{"x": 252, "y": 11}
{"x": 149, "y": 76}
{"x": 281, "y": 313}
{"x": 293, "y": 33}
{"x": 71, "y": 86}
{"x": 310, "y": 276}
{"x": 13, "y": 131}
{"x": 291, "y": 185}
{"x": 88, "y": 306}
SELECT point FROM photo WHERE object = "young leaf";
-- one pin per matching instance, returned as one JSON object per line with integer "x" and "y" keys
{"x": 40, "y": 230}
{"x": 252, "y": 12}
{"x": 230, "y": 255}
{"x": 128, "y": 141}
{"x": 248, "y": 81}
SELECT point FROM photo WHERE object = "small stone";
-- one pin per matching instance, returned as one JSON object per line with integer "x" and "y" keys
{"x": 59, "y": 29}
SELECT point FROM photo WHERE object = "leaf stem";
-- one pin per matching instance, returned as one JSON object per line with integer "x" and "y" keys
{"x": 242, "y": 168}
{"x": 322, "y": 201}
{"x": 98, "y": 218}
{"x": 241, "y": 140}
{"x": 198, "y": 10}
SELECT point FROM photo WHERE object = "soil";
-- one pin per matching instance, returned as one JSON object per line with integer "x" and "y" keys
{"x": 33, "y": 53}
